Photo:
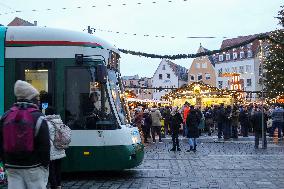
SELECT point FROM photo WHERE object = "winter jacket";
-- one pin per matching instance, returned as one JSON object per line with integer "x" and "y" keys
{"x": 175, "y": 121}
{"x": 54, "y": 152}
{"x": 244, "y": 117}
{"x": 192, "y": 122}
{"x": 147, "y": 121}
{"x": 257, "y": 121}
{"x": 220, "y": 117}
{"x": 277, "y": 115}
{"x": 41, "y": 154}
{"x": 156, "y": 117}
{"x": 235, "y": 118}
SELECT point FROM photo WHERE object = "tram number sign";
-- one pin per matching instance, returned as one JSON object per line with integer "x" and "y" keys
{"x": 44, "y": 106}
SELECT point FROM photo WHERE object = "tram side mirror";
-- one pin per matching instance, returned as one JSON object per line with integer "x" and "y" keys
{"x": 79, "y": 58}
{"x": 101, "y": 73}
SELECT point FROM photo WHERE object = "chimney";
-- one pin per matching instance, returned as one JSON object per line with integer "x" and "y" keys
{"x": 35, "y": 23}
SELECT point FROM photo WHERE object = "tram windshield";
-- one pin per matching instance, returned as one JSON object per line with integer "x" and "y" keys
{"x": 87, "y": 101}
{"x": 116, "y": 92}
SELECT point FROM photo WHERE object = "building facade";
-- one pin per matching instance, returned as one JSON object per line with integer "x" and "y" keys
{"x": 202, "y": 69}
{"x": 168, "y": 75}
{"x": 136, "y": 85}
{"x": 244, "y": 61}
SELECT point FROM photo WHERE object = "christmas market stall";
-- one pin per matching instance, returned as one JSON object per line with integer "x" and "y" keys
{"x": 198, "y": 93}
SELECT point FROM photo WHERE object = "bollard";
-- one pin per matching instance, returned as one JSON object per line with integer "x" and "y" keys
{"x": 275, "y": 136}
{"x": 163, "y": 128}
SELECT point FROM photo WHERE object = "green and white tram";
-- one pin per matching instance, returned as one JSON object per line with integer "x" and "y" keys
{"x": 78, "y": 75}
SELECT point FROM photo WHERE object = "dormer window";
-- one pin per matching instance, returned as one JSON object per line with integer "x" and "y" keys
{"x": 242, "y": 54}
{"x": 228, "y": 56}
{"x": 221, "y": 58}
{"x": 235, "y": 55}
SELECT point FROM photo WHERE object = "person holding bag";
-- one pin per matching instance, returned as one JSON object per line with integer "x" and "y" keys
{"x": 57, "y": 152}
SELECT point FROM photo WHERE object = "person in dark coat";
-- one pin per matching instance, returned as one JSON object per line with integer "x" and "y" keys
{"x": 26, "y": 169}
{"x": 175, "y": 124}
{"x": 235, "y": 122}
{"x": 227, "y": 129}
{"x": 220, "y": 120}
{"x": 147, "y": 121}
{"x": 244, "y": 121}
{"x": 192, "y": 122}
{"x": 256, "y": 120}
{"x": 167, "y": 116}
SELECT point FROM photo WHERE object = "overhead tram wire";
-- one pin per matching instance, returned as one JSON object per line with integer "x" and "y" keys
{"x": 81, "y": 7}
{"x": 158, "y": 36}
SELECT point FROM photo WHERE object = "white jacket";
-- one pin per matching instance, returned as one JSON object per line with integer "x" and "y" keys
{"x": 54, "y": 152}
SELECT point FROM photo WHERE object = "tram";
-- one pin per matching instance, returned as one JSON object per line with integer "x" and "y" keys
{"x": 77, "y": 74}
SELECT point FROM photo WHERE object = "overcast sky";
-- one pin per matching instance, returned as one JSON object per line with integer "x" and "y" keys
{"x": 178, "y": 19}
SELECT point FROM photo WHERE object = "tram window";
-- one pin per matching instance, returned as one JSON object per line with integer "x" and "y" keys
{"x": 39, "y": 79}
{"x": 87, "y": 107}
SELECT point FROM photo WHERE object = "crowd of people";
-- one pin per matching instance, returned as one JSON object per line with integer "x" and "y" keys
{"x": 225, "y": 121}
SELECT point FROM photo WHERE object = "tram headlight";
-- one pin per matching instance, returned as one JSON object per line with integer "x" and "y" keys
{"x": 135, "y": 139}
{"x": 135, "y": 136}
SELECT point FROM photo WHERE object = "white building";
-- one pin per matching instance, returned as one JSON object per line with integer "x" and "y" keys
{"x": 244, "y": 61}
{"x": 168, "y": 75}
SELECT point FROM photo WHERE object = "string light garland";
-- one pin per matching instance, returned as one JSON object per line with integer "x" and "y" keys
{"x": 262, "y": 36}
{"x": 91, "y": 6}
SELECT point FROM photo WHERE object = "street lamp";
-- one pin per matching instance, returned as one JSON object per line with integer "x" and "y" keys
{"x": 262, "y": 96}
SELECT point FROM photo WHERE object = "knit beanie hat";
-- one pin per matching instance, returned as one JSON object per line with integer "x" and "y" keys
{"x": 24, "y": 90}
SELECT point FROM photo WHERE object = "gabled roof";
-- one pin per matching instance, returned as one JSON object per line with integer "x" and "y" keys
{"x": 238, "y": 40}
{"x": 20, "y": 22}
{"x": 179, "y": 71}
{"x": 202, "y": 49}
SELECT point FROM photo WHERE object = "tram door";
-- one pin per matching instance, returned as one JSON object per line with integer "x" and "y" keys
{"x": 40, "y": 74}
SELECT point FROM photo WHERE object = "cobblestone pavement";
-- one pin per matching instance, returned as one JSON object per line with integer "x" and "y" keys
{"x": 228, "y": 165}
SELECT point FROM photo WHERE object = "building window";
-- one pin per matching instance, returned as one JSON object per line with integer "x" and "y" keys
{"x": 192, "y": 77}
{"x": 235, "y": 69}
{"x": 220, "y": 72}
{"x": 207, "y": 76}
{"x": 220, "y": 84}
{"x": 164, "y": 67}
{"x": 242, "y": 54}
{"x": 168, "y": 76}
{"x": 248, "y": 68}
{"x": 197, "y": 65}
{"x": 235, "y": 55}
{"x": 249, "y": 54}
{"x": 204, "y": 65}
{"x": 248, "y": 82}
{"x": 199, "y": 77}
{"x": 221, "y": 57}
{"x": 228, "y": 56}
{"x": 241, "y": 69}
{"x": 160, "y": 76}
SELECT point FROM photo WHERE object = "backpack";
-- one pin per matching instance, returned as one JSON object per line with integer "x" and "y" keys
{"x": 18, "y": 129}
{"x": 62, "y": 136}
